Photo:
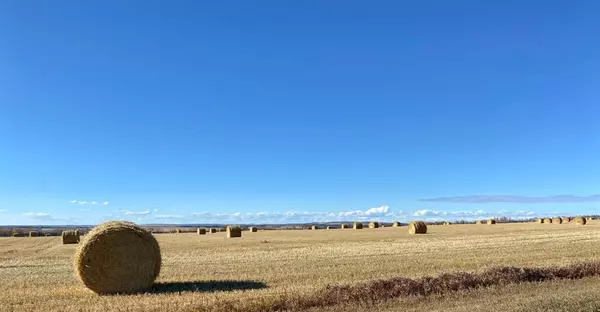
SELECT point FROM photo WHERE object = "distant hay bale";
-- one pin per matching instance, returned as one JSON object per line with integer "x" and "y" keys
{"x": 357, "y": 226}
{"x": 540, "y": 220}
{"x": 478, "y": 222}
{"x": 580, "y": 220}
{"x": 491, "y": 221}
{"x": 447, "y": 223}
{"x": 212, "y": 230}
{"x": 118, "y": 257}
{"x": 373, "y": 225}
{"x": 70, "y": 237}
{"x": 314, "y": 227}
{"x": 253, "y": 229}
{"x": 329, "y": 227}
{"x": 344, "y": 226}
{"x": 201, "y": 231}
{"x": 234, "y": 231}
{"x": 34, "y": 234}
{"x": 396, "y": 224}
{"x": 417, "y": 227}
{"x": 556, "y": 220}
{"x": 590, "y": 219}
{"x": 566, "y": 220}
{"x": 547, "y": 220}
{"x": 177, "y": 231}
{"x": 18, "y": 234}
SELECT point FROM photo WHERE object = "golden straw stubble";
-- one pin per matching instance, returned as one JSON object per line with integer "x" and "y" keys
{"x": 118, "y": 257}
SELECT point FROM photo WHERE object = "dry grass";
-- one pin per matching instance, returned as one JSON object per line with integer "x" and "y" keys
{"x": 205, "y": 273}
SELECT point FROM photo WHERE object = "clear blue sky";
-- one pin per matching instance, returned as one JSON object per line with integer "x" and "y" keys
{"x": 282, "y": 111}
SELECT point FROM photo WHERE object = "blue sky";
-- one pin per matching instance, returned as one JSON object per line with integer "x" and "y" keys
{"x": 281, "y": 111}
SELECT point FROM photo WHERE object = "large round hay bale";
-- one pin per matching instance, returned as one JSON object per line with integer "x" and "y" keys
{"x": 34, "y": 234}
{"x": 540, "y": 220}
{"x": 447, "y": 223}
{"x": 329, "y": 227}
{"x": 253, "y": 229}
{"x": 118, "y": 257}
{"x": 396, "y": 224}
{"x": 344, "y": 226}
{"x": 556, "y": 220}
{"x": 212, "y": 230}
{"x": 357, "y": 226}
{"x": 566, "y": 219}
{"x": 70, "y": 237}
{"x": 234, "y": 231}
{"x": 201, "y": 231}
{"x": 547, "y": 220}
{"x": 491, "y": 221}
{"x": 314, "y": 227}
{"x": 373, "y": 225}
{"x": 478, "y": 222}
{"x": 580, "y": 220}
{"x": 417, "y": 227}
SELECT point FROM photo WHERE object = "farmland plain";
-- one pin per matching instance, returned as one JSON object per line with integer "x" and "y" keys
{"x": 252, "y": 273}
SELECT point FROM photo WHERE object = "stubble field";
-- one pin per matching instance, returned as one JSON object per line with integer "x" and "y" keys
{"x": 267, "y": 268}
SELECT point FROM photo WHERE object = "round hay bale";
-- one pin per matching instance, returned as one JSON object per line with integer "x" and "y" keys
{"x": 357, "y": 226}
{"x": 580, "y": 220}
{"x": 34, "y": 234}
{"x": 547, "y": 220}
{"x": 212, "y": 230}
{"x": 540, "y": 220}
{"x": 118, "y": 257}
{"x": 491, "y": 221}
{"x": 344, "y": 226}
{"x": 373, "y": 225}
{"x": 556, "y": 220}
{"x": 329, "y": 227}
{"x": 396, "y": 224}
{"x": 417, "y": 227}
{"x": 478, "y": 222}
{"x": 234, "y": 231}
{"x": 18, "y": 234}
{"x": 566, "y": 220}
{"x": 70, "y": 237}
{"x": 253, "y": 229}
{"x": 201, "y": 231}
{"x": 447, "y": 223}
{"x": 177, "y": 231}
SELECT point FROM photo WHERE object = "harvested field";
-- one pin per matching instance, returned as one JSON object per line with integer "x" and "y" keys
{"x": 40, "y": 269}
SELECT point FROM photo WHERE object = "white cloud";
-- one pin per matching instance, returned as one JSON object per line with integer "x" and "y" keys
{"x": 433, "y": 215}
{"x": 92, "y": 203}
{"x": 170, "y": 216}
{"x": 136, "y": 213}
{"x": 38, "y": 215}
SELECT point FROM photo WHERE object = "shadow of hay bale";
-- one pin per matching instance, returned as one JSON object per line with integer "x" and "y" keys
{"x": 205, "y": 286}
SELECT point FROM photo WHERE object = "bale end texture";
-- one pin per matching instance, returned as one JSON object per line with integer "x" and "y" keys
{"x": 547, "y": 220}
{"x": 234, "y": 231}
{"x": 70, "y": 237}
{"x": 118, "y": 257}
{"x": 417, "y": 227}
{"x": 557, "y": 220}
{"x": 580, "y": 221}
